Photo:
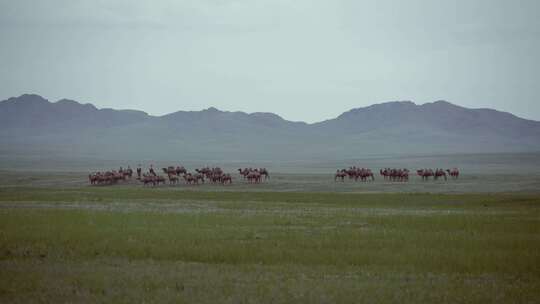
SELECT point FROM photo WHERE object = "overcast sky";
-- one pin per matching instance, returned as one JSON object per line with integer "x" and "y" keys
{"x": 304, "y": 60}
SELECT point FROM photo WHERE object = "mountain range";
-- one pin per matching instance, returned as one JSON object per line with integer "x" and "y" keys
{"x": 32, "y": 125}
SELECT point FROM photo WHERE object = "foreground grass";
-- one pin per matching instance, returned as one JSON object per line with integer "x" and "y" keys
{"x": 165, "y": 245}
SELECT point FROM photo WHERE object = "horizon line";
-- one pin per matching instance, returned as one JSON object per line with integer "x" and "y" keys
{"x": 210, "y": 108}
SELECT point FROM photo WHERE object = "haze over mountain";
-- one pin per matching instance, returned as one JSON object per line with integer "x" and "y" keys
{"x": 31, "y": 125}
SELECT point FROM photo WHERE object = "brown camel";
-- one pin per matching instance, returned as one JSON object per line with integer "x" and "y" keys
{"x": 454, "y": 173}
{"x": 340, "y": 174}
{"x": 254, "y": 177}
{"x": 173, "y": 179}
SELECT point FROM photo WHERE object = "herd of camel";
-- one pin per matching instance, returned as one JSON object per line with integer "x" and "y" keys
{"x": 175, "y": 174}
{"x": 109, "y": 177}
{"x": 215, "y": 175}
{"x": 394, "y": 174}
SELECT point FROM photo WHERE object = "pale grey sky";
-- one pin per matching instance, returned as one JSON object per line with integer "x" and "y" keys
{"x": 304, "y": 60}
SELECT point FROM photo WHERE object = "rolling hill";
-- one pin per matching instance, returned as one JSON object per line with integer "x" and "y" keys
{"x": 32, "y": 125}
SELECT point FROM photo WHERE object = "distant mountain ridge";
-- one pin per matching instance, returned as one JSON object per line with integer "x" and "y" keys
{"x": 32, "y": 123}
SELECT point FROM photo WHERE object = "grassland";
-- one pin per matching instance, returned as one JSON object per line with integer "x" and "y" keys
{"x": 510, "y": 182}
{"x": 130, "y": 244}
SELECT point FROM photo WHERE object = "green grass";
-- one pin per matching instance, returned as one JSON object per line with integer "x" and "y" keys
{"x": 129, "y": 244}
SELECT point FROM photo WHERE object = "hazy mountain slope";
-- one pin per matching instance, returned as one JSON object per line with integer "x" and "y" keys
{"x": 37, "y": 115}
{"x": 31, "y": 124}
{"x": 439, "y": 115}
{"x": 436, "y": 123}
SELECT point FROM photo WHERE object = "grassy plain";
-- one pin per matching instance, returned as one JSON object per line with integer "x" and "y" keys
{"x": 66, "y": 242}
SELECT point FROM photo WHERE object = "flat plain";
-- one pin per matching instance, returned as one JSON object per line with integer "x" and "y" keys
{"x": 298, "y": 237}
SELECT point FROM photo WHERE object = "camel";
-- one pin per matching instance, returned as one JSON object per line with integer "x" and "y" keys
{"x": 210, "y": 173}
{"x": 226, "y": 178}
{"x": 92, "y": 178}
{"x": 214, "y": 178}
{"x": 108, "y": 177}
{"x": 244, "y": 172}
{"x": 364, "y": 174}
{"x": 148, "y": 179}
{"x": 190, "y": 179}
{"x": 169, "y": 170}
{"x": 173, "y": 179}
{"x": 439, "y": 173}
{"x": 203, "y": 171}
{"x": 454, "y": 173}
{"x": 425, "y": 173}
{"x": 126, "y": 173}
{"x": 369, "y": 174}
{"x": 340, "y": 174}
{"x": 254, "y": 177}
{"x": 160, "y": 179}
{"x": 401, "y": 175}
{"x": 264, "y": 172}
{"x": 356, "y": 173}
{"x": 199, "y": 177}
{"x": 384, "y": 173}
{"x": 180, "y": 170}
